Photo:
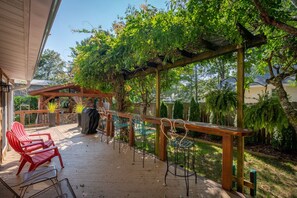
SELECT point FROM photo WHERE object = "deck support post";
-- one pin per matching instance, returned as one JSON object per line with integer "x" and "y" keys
{"x": 163, "y": 142}
{"x": 227, "y": 162}
{"x": 158, "y": 93}
{"x": 131, "y": 132}
{"x": 240, "y": 116}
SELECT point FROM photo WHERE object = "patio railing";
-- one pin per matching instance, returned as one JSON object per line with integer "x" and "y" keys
{"x": 227, "y": 133}
{"x": 35, "y": 118}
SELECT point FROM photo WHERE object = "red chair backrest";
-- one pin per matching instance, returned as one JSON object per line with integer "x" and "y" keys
{"x": 19, "y": 131}
{"x": 14, "y": 142}
{"x": 16, "y": 145}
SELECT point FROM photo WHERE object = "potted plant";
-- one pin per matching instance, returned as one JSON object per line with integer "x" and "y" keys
{"x": 78, "y": 108}
{"x": 52, "y": 106}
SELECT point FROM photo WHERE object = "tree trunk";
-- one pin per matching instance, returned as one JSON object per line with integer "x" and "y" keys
{"x": 288, "y": 108}
{"x": 145, "y": 104}
{"x": 120, "y": 93}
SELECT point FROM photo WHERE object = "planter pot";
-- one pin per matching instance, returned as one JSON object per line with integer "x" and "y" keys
{"x": 52, "y": 119}
{"x": 79, "y": 119}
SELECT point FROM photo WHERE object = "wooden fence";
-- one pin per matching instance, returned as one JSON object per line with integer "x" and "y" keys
{"x": 35, "y": 118}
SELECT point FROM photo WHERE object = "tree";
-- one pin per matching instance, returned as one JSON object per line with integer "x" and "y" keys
{"x": 273, "y": 18}
{"x": 143, "y": 88}
{"x": 281, "y": 54}
{"x": 52, "y": 67}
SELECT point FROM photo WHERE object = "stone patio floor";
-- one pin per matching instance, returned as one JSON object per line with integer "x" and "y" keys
{"x": 94, "y": 169}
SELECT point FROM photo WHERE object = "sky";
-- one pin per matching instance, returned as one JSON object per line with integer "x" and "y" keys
{"x": 88, "y": 14}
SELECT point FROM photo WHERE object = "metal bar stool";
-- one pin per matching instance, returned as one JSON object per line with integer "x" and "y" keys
{"x": 120, "y": 124}
{"x": 142, "y": 133}
{"x": 180, "y": 153}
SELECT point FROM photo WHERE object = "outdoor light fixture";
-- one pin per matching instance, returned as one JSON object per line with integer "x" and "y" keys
{"x": 5, "y": 87}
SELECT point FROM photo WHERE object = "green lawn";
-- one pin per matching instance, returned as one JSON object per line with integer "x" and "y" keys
{"x": 275, "y": 177}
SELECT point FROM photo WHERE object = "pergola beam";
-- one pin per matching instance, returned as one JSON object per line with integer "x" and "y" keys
{"x": 61, "y": 94}
{"x": 256, "y": 41}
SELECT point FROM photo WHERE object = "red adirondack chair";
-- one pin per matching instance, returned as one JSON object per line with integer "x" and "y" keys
{"x": 35, "y": 158}
{"x": 19, "y": 131}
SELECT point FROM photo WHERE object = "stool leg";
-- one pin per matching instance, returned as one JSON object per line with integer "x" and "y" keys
{"x": 143, "y": 149}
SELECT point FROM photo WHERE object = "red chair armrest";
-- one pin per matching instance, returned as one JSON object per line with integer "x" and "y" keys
{"x": 32, "y": 140}
{"x": 40, "y": 134}
{"x": 43, "y": 150}
{"x": 33, "y": 144}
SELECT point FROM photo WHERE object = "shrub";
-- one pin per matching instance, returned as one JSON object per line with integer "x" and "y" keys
{"x": 163, "y": 110}
{"x": 32, "y": 101}
{"x": 285, "y": 139}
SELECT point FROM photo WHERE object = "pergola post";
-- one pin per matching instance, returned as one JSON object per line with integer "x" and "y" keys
{"x": 158, "y": 92}
{"x": 240, "y": 116}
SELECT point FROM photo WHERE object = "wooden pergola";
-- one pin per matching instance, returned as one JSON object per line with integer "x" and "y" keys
{"x": 207, "y": 47}
{"x": 69, "y": 90}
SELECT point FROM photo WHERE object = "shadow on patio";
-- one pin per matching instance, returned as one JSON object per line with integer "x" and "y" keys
{"x": 94, "y": 169}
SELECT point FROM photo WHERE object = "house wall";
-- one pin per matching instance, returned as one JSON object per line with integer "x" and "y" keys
{"x": 292, "y": 92}
{"x": 5, "y": 118}
{"x": 251, "y": 94}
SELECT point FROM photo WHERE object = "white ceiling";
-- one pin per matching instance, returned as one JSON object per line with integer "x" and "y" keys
{"x": 24, "y": 27}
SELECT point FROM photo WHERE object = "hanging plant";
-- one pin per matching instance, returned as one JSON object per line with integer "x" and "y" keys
{"x": 267, "y": 113}
{"x": 221, "y": 103}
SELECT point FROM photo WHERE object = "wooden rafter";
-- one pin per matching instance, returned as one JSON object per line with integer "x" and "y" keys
{"x": 247, "y": 35}
{"x": 209, "y": 45}
{"x": 152, "y": 64}
{"x": 186, "y": 53}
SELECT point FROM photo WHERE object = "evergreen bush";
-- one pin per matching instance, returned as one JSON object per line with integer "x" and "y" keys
{"x": 194, "y": 111}
{"x": 194, "y": 115}
{"x": 163, "y": 110}
{"x": 178, "y": 111}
